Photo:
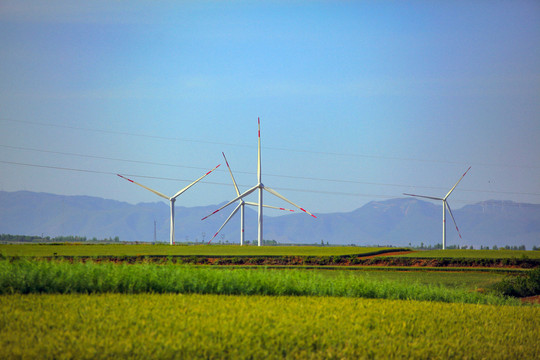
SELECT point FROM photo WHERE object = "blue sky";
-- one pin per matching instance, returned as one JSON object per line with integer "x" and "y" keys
{"x": 359, "y": 101}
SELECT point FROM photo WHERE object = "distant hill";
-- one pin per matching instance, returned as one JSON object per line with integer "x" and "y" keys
{"x": 391, "y": 222}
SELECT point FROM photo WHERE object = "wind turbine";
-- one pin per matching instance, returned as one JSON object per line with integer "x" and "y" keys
{"x": 261, "y": 187}
{"x": 241, "y": 204}
{"x": 445, "y": 205}
{"x": 171, "y": 199}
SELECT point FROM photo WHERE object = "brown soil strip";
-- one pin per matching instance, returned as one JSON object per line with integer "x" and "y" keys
{"x": 531, "y": 299}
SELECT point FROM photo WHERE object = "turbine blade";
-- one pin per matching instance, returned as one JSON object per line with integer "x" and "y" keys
{"x": 462, "y": 176}
{"x": 147, "y": 188}
{"x": 450, "y": 211}
{"x": 275, "y": 193}
{"x": 225, "y": 223}
{"x": 259, "y": 153}
{"x": 193, "y": 183}
{"x": 268, "y": 206}
{"x": 233, "y": 200}
{"x": 230, "y": 171}
{"x": 423, "y": 196}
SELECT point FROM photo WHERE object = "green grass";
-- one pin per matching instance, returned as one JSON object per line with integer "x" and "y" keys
{"x": 203, "y": 250}
{"x": 63, "y": 277}
{"x": 477, "y": 254}
{"x": 169, "y": 326}
{"x": 449, "y": 279}
{"x": 522, "y": 285}
{"x": 235, "y": 250}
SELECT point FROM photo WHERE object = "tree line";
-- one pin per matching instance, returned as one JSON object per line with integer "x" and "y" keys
{"x": 8, "y": 238}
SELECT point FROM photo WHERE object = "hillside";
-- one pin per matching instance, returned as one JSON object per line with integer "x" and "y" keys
{"x": 395, "y": 222}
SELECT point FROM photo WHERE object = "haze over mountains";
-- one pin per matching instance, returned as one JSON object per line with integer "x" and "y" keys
{"x": 395, "y": 222}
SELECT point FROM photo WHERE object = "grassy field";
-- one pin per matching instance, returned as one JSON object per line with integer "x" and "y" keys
{"x": 235, "y": 250}
{"x": 57, "y": 309}
{"x": 455, "y": 280}
{"x": 203, "y": 250}
{"x": 484, "y": 254}
{"x": 168, "y": 326}
{"x": 63, "y": 277}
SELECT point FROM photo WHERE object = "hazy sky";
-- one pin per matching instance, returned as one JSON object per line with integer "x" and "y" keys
{"x": 359, "y": 101}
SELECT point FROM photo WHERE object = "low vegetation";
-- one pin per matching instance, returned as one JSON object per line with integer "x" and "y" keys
{"x": 522, "y": 285}
{"x": 96, "y": 301}
{"x": 26, "y": 277}
{"x": 476, "y": 254}
{"x": 166, "y": 326}
{"x": 71, "y": 249}
{"x": 466, "y": 280}
{"x": 278, "y": 255}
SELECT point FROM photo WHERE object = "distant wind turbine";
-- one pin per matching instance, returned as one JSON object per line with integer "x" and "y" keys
{"x": 445, "y": 205}
{"x": 261, "y": 187}
{"x": 171, "y": 199}
{"x": 240, "y": 207}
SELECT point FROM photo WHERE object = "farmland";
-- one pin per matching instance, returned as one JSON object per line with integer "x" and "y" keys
{"x": 468, "y": 280}
{"x": 64, "y": 278}
{"x": 64, "y": 306}
{"x": 197, "y": 250}
{"x": 307, "y": 256}
{"x": 261, "y": 327}
{"x": 483, "y": 254}
{"x": 68, "y": 249}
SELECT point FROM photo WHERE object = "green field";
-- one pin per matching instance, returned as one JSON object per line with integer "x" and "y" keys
{"x": 27, "y": 277}
{"x": 202, "y": 250}
{"x": 235, "y": 250}
{"x": 168, "y": 326}
{"x": 62, "y": 309}
{"x": 484, "y": 254}
{"x": 450, "y": 279}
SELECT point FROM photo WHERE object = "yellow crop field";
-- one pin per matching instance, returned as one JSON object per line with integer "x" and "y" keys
{"x": 169, "y": 326}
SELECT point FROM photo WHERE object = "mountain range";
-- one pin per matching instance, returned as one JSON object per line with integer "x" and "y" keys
{"x": 397, "y": 222}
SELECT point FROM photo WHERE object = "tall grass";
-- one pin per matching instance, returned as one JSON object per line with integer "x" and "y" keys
{"x": 26, "y": 277}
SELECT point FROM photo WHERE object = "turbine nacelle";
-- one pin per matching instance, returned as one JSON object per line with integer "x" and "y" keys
{"x": 171, "y": 199}
{"x": 240, "y": 207}
{"x": 260, "y": 187}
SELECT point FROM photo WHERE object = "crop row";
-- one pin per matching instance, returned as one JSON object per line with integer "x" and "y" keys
{"x": 168, "y": 326}
{"x": 63, "y": 277}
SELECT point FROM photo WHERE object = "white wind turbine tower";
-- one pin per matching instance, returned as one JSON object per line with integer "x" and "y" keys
{"x": 261, "y": 187}
{"x": 241, "y": 204}
{"x": 171, "y": 199}
{"x": 445, "y": 205}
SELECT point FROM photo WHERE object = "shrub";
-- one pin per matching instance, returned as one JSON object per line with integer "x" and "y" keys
{"x": 521, "y": 285}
